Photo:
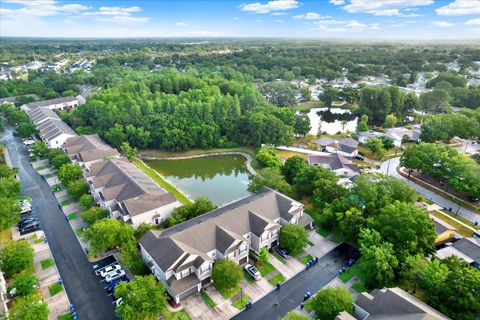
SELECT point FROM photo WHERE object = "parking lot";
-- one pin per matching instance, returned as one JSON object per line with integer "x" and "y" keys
{"x": 29, "y": 221}
{"x": 109, "y": 272}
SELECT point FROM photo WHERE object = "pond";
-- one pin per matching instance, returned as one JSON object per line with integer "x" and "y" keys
{"x": 222, "y": 179}
{"x": 331, "y": 121}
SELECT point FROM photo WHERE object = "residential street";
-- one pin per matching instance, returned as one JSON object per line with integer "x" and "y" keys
{"x": 463, "y": 212}
{"x": 277, "y": 303}
{"x": 82, "y": 286}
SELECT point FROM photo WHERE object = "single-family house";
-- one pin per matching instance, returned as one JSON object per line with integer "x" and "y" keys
{"x": 342, "y": 166}
{"x": 467, "y": 249}
{"x": 444, "y": 231}
{"x": 88, "y": 149}
{"x": 129, "y": 194}
{"x": 399, "y": 135}
{"x": 346, "y": 146}
{"x": 57, "y": 104}
{"x": 183, "y": 256}
{"x": 391, "y": 304}
{"x": 365, "y": 135}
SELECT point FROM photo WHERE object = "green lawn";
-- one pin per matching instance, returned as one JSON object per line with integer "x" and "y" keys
{"x": 279, "y": 257}
{"x": 66, "y": 316}
{"x": 277, "y": 279}
{"x": 5, "y": 236}
{"x": 65, "y": 202}
{"x": 179, "y": 315}
{"x": 359, "y": 287}
{"x": 240, "y": 303}
{"x": 47, "y": 263}
{"x": 55, "y": 288}
{"x": 56, "y": 187}
{"x": 305, "y": 259}
{"x": 39, "y": 240}
{"x": 80, "y": 232}
{"x": 228, "y": 292}
{"x": 208, "y": 300}
{"x": 158, "y": 179}
{"x": 461, "y": 229}
{"x": 72, "y": 216}
{"x": 265, "y": 268}
{"x": 355, "y": 271}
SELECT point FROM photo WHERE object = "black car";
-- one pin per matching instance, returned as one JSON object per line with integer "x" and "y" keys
{"x": 359, "y": 157}
{"x": 282, "y": 252}
{"x": 33, "y": 224}
{"x": 30, "y": 228}
{"x": 25, "y": 221}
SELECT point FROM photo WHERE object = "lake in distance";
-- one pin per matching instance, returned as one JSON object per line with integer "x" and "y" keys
{"x": 222, "y": 179}
{"x": 331, "y": 121}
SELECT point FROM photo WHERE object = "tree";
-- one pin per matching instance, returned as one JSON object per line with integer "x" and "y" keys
{"x": 412, "y": 268}
{"x": 40, "y": 149}
{"x": 330, "y": 301}
{"x": 306, "y": 93}
{"x": 263, "y": 255}
{"x": 446, "y": 126}
{"x": 9, "y": 187}
{"x": 325, "y": 192}
{"x": 25, "y": 283}
{"x": 69, "y": 172}
{"x": 411, "y": 103}
{"x": 390, "y": 121}
{"x": 375, "y": 145}
{"x": 451, "y": 77}
{"x": 108, "y": 233}
{"x": 6, "y": 171}
{"x": 142, "y": 298}
{"x": 279, "y": 93}
{"x": 435, "y": 101}
{"x": 9, "y": 212}
{"x": 293, "y": 315}
{"x": 311, "y": 177}
{"x": 291, "y": 167}
{"x": 28, "y": 308}
{"x": 60, "y": 160}
{"x": 77, "y": 188}
{"x": 86, "y": 200}
{"x": 93, "y": 214}
{"x": 387, "y": 143}
{"x": 268, "y": 157}
{"x": 433, "y": 277}
{"x": 379, "y": 263}
{"x": 190, "y": 211}
{"x": 128, "y": 151}
{"x": 362, "y": 126}
{"x": 226, "y": 275}
{"x": 268, "y": 177}
{"x": 294, "y": 238}
{"x": 328, "y": 96}
{"x": 15, "y": 257}
{"x": 26, "y": 129}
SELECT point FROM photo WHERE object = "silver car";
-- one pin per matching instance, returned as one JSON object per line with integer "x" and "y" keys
{"x": 253, "y": 272}
{"x": 114, "y": 275}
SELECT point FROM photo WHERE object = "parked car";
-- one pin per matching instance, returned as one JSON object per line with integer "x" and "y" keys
{"x": 30, "y": 228}
{"x": 30, "y": 225}
{"x": 28, "y": 142}
{"x": 26, "y": 221}
{"x": 109, "y": 269}
{"x": 282, "y": 252}
{"x": 473, "y": 198}
{"x": 114, "y": 275}
{"x": 25, "y": 209}
{"x": 111, "y": 286}
{"x": 253, "y": 272}
{"x": 359, "y": 157}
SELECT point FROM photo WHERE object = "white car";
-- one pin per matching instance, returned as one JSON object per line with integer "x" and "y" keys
{"x": 114, "y": 275}
{"x": 109, "y": 269}
{"x": 253, "y": 272}
{"x": 28, "y": 142}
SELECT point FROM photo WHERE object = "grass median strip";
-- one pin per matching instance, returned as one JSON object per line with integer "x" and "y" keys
{"x": 305, "y": 259}
{"x": 208, "y": 300}
{"x": 279, "y": 257}
{"x": 279, "y": 278}
{"x": 47, "y": 263}
{"x": 55, "y": 289}
{"x": 240, "y": 303}
{"x": 158, "y": 179}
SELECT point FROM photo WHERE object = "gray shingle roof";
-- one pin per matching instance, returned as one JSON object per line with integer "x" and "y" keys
{"x": 469, "y": 247}
{"x": 333, "y": 161}
{"x": 46, "y": 103}
{"x": 394, "y": 303}
{"x": 346, "y": 144}
{"x": 89, "y": 148}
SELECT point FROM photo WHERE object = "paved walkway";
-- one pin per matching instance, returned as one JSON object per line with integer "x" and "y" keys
{"x": 321, "y": 245}
{"x": 289, "y": 269}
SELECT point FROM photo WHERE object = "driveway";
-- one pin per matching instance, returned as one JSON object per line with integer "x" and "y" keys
{"x": 392, "y": 170}
{"x": 82, "y": 286}
{"x": 289, "y": 269}
{"x": 277, "y": 303}
{"x": 321, "y": 245}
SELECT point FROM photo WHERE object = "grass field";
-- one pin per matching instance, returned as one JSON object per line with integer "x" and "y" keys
{"x": 65, "y": 202}
{"x": 66, "y": 316}
{"x": 228, "y": 292}
{"x": 305, "y": 259}
{"x": 208, "y": 300}
{"x": 277, "y": 279}
{"x": 265, "y": 268}
{"x": 355, "y": 271}
{"x": 55, "y": 289}
{"x": 47, "y": 263}
{"x": 461, "y": 229}
{"x": 158, "y": 179}
{"x": 179, "y": 315}
{"x": 240, "y": 303}
{"x": 6, "y": 236}
{"x": 72, "y": 216}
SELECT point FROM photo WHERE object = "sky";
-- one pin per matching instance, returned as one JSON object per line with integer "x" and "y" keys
{"x": 321, "y": 19}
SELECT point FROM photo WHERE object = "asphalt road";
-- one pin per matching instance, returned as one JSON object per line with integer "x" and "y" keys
{"x": 279, "y": 302}
{"x": 441, "y": 201}
{"x": 84, "y": 289}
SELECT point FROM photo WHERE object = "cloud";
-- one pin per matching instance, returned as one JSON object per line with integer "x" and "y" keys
{"x": 236, "y": 18}
{"x": 279, "y": 13}
{"x": 384, "y": 7}
{"x": 117, "y": 14}
{"x": 474, "y": 22}
{"x": 333, "y": 25}
{"x": 181, "y": 24}
{"x": 41, "y": 8}
{"x": 460, "y": 8}
{"x": 337, "y": 2}
{"x": 279, "y": 21}
{"x": 271, "y": 6}
{"x": 442, "y": 24}
{"x": 310, "y": 16}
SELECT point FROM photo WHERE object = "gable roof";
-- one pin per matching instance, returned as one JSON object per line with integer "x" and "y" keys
{"x": 346, "y": 144}
{"x": 394, "y": 303}
{"x": 469, "y": 247}
{"x": 50, "y": 102}
{"x": 220, "y": 228}
{"x": 88, "y": 148}
{"x": 440, "y": 225}
{"x": 333, "y": 161}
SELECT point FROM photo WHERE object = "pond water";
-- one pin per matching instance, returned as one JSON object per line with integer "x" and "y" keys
{"x": 331, "y": 120}
{"x": 222, "y": 179}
